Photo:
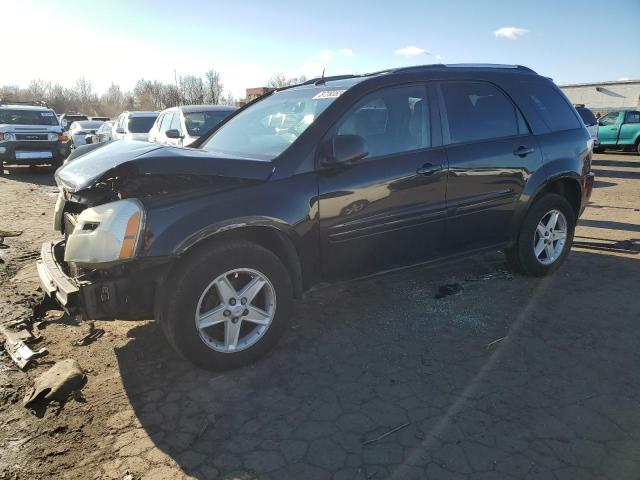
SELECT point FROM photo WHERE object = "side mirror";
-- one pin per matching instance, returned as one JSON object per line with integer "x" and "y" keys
{"x": 173, "y": 133}
{"x": 343, "y": 149}
{"x": 120, "y": 130}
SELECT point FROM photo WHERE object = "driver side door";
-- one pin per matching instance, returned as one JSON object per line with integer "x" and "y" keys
{"x": 388, "y": 208}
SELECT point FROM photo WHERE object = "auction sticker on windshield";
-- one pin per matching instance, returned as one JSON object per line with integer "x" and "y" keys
{"x": 46, "y": 114}
{"x": 329, "y": 94}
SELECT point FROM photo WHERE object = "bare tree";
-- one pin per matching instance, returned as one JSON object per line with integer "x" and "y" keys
{"x": 213, "y": 87}
{"x": 281, "y": 80}
{"x": 192, "y": 90}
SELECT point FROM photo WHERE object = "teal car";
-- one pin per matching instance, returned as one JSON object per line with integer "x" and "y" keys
{"x": 620, "y": 130}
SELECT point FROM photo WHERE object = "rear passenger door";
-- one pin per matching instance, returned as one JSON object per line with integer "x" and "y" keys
{"x": 491, "y": 155}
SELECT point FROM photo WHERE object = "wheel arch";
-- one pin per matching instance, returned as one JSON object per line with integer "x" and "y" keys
{"x": 568, "y": 185}
{"x": 280, "y": 240}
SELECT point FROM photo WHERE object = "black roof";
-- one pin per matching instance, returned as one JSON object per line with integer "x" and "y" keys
{"x": 207, "y": 108}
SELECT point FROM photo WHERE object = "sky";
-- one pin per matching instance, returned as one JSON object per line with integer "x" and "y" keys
{"x": 248, "y": 42}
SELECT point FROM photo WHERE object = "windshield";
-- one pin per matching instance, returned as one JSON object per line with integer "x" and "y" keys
{"x": 141, "y": 124}
{"x": 28, "y": 117}
{"x": 199, "y": 123}
{"x": 265, "y": 129}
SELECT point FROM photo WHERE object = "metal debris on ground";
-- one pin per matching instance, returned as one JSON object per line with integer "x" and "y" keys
{"x": 57, "y": 383}
{"x": 386, "y": 434}
{"x": 448, "y": 289}
{"x": 17, "y": 348}
{"x": 494, "y": 275}
{"x": 92, "y": 336}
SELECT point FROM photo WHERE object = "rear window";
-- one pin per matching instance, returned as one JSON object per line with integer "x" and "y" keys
{"x": 141, "y": 124}
{"x": 555, "y": 111}
{"x": 27, "y": 117}
{"x": 587, "y": 116}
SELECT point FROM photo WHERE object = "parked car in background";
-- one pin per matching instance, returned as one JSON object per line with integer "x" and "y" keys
{"x": 66, "y": 119}
{"x": 102, "y": 119}
{"x": 78, "y": 131}
{"x": 103, "y": 134}
{"x": 590, "y": 122}
{"x": 184, "y": 125}
{"x": 620, "y": 130}
{"x": 30, "y": 134}
{"x": 215, "y": 241}
{"x": 134, "y": 125}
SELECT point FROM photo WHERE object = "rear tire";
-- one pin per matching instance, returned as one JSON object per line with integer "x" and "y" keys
{"x": 233, "y": 336}
{"x": 539, "y": 249}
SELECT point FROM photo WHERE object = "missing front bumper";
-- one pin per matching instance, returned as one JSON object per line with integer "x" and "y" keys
{"x": 124, "y": 293}
{"x": 55, "y": 282}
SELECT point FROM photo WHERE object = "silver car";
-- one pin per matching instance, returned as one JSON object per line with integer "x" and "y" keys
{"x": 78, "y": 131}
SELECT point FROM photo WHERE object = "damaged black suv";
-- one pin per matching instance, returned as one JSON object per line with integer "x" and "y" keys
{"x": 332, "y": 179}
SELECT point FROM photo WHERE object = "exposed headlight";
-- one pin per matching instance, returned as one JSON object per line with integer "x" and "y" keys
{"x": 7, "y": 137}
{"x": 106, "y": 234}
{"x": 52, "y": 137}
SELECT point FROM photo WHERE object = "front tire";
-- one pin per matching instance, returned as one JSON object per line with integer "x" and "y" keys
{"x": 228, "y": 305}
{"x": 545, "y": 237}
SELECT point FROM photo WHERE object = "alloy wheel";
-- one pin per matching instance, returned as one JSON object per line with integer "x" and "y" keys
{"x": 550, "y": 237}
{"x": 235, "y": 310}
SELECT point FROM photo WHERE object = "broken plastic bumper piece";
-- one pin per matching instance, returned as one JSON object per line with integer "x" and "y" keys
{"x": 55, "y": 282}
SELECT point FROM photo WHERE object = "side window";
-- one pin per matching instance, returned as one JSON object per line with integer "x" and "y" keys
{"x": 166, "y": 121}
{"x": 390, "y": 120}
{"x": 121, "y": 121}
{"x": 175, "y": 123}
{"x": 479, "y": 111}
{"x": 632, "y": 117}
{"x": 609, "y": 119}
{"x": 556, "y": 113}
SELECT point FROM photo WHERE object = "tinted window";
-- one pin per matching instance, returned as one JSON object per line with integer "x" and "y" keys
{"x": 175, "y": 123}
{"x": 141, "y": 124}
{"x": 609, "y": 119}
{"x": 552, "y": 107}
{"x": 391, "y": 120}
{"x": 587, "y": 116}
{"x": 166, "y": 121}
{"x": 632, "y": 117}
{"x": 478, "y": 111}
{"x": 199, "y": 123}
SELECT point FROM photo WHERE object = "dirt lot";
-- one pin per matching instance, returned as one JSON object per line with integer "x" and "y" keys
{"x": 510, "y": 378}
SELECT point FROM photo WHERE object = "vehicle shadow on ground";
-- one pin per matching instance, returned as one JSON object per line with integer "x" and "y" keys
{"x": 615, "y": 174}
{"x": 378, "y": 378}
{"x": 40, "y": 175}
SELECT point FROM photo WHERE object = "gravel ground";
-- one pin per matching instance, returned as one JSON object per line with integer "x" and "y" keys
{"x": 512, "y": 377}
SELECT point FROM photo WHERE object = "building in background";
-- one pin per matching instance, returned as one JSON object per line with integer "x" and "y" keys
{"x": 605, "y": 96}
{"x": 252, "y": 94}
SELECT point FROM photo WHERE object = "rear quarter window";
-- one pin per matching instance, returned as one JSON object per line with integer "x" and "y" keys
{"x": 555, "y": 111}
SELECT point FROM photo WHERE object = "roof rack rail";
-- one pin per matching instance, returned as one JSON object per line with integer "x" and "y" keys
{"x": 35, "y": 103}
{"x": 436, "y": 66}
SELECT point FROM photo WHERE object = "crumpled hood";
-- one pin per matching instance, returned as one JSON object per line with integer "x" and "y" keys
{"x": 148, "y": 159}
